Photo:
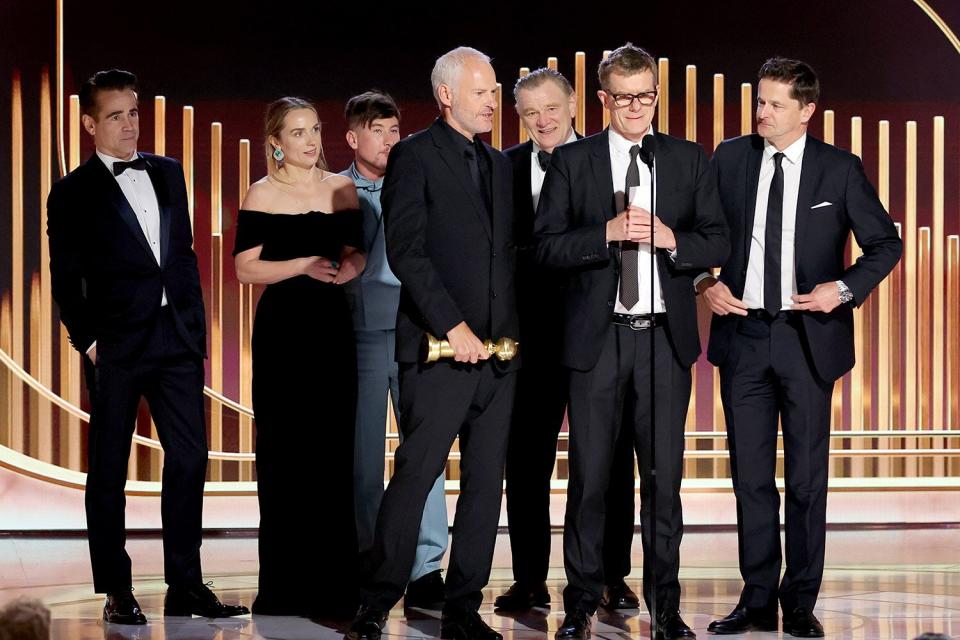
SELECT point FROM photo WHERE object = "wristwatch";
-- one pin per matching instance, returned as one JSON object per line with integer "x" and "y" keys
{"x": 845, "y": 294}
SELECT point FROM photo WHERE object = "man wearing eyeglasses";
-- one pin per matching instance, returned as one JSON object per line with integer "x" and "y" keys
{"x": 620, "y": 313}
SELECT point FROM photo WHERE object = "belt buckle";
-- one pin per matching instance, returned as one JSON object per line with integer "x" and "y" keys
{"x": 639, "y": 323}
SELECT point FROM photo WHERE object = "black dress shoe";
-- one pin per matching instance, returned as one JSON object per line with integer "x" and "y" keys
{"x": 198, "y": 600}
{"x": 802, "y": 624}
{"x": 576, "y": 626}
{"x": 670, "y": 626}
{"x": 121, "y": 607}
{"x": 619, "y": 596}
{"x": 743, "y": 619}
{"x": 426, "y": 592}
{"x": 367, "y": 624}
{"x": 465, "y": 624}
{"x": 520, "y": 598}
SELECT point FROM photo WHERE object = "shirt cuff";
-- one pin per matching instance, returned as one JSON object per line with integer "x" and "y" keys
{"x": 673, "y": 255}
{"x": 92, "y": 346}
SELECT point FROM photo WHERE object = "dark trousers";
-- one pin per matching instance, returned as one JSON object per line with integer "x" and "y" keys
{"x": 769, "y": 375}
{"x": 597, "y": 399}
{"x": 170, "y": 376}
{"x": 537, "y": 417}
{"x": 438, "y": 402}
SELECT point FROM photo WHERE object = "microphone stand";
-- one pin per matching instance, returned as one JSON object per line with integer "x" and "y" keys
{"x": 648, "y": 159}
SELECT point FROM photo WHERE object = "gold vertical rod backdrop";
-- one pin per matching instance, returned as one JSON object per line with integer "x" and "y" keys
{"x": 496, "y": 136}
{"x": 6, "y": 376}
{"x": 70, "y": 442}
{"x": 909, "y": 279}
{"x": 953, "y": 332}
{"x": 216, "y": 294}
{"x": 746, "y": 108}
{"x": 837, "y": 400}
{"x": 717, "y": 109}
{"x": 552, "y": 63}
{"x": 155, "y": 464}
{"x": 580, "y": 87}
{"x": 44, "y": 365}
{"x": 521, "y": 130}
{"x": 245, "y": 330}
{"x": 924, "y": 357}
{"x": 860, "y": 335}
{"x": 606, "y": 114}
{"x": 663, "y": 113}
{"x": 938, "y": 241}
{"x": 187, "y": 161}
{"x": 61, "y": 155}
{"x": 160, "y": 125}
{"x": 691, "y": 134}
{"x": 885, "y": 321}
{"x": 16, "y": 256}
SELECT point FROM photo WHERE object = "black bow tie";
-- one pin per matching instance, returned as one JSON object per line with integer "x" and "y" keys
{"x": 544, "y": 159}
{"x": 138, "y": 163}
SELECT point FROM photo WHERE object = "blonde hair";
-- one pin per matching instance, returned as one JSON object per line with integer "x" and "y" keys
{"x": 273, "y": 124}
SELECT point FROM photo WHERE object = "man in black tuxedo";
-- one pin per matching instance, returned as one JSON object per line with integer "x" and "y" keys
{"x": 449, "y": 233}
{"x": 125, "y": 277}
{"x": 586, "y": 225}
{"x": 783, "y": 333}
{"x": 547, "y": 104}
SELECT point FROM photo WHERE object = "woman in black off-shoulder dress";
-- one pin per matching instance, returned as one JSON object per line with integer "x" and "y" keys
{"x": 296, "y": 234}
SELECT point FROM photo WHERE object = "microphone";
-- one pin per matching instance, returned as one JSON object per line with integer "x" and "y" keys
{"x": 647, "y": 148}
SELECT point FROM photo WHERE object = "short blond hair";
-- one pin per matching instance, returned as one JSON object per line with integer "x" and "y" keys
{"x": 447, "y": 68}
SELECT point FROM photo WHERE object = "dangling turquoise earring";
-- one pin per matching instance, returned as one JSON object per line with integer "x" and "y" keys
{"x": 278, "y": 155}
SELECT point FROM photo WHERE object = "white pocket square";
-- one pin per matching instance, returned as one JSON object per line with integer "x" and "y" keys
{"x": 825, "y": 203}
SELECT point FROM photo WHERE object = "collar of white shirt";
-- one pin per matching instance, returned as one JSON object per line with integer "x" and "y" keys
{"x": 793, "y": 153}
{"x": 572, "y": 137}
{"x": 621, "y": 145}
{"x": 109, "y": 160}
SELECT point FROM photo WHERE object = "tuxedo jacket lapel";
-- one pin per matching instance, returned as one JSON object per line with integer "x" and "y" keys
{"x": 810, "y": 176}
{"x": 118, "y": 201}
{"x": 754, "y": 161}
{"x": 603, "y": 174}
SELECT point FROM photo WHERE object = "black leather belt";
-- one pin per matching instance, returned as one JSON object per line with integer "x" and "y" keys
{"x": 764, "y": 316}
{"x": 641, "y": 321}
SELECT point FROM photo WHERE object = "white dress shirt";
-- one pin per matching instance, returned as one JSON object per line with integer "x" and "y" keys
{"x": 792, "y": 163}
{"x": 619, "y": 162}
{"x": 137, "y": 188}
{"x": 537, "y": 174}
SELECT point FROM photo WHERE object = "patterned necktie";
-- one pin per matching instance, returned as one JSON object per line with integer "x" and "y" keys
{"x": 772, "y": 296}
{"x": 629, "y": 258}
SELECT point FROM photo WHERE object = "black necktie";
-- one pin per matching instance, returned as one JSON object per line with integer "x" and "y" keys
{"x": 138, "y": 163}
{"x": 772, "y": 296}
{"x": 544, "y": 159}
{"x": 629, "y": 259}
{"x": 478, "y": 171}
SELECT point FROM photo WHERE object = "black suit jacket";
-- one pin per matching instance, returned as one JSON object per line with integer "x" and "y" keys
{"x": 829, "y": 175}
{"x": 576, "y": 202}
{"x": 454, "y": 260}
{"x": 104, "y": 276}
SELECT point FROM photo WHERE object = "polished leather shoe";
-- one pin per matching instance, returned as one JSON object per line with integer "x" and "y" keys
{"x": 802, "y": 624}
{"x": 619, "y": 596}
{"x": 576, "y": 626}
{"x": 520, "y": 598}
{"x": 426, "y": 592}
{"x": 367, "y": 624}
{"x": 743, "y": 619}
{"x": 671, "y": 626}
{"x": 465, "y": 624}
{"x": 198, "y": 600}
{"x": 121, "y": 607}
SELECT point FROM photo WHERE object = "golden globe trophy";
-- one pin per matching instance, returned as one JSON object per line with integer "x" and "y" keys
{"x": 503, "y": 349}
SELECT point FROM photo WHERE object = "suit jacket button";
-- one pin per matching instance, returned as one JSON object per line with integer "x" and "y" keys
{"x": 493, "y": 255}
{"x": 610, "y": 303}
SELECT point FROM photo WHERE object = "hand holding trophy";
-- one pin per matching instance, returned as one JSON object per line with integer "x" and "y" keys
{"x": 504, "y": 349}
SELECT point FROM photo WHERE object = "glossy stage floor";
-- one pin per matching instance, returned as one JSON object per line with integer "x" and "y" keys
{"x": 879, "y": 584}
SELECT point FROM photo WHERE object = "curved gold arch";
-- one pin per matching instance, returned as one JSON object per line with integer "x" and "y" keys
{"x": 940, "y": 23}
